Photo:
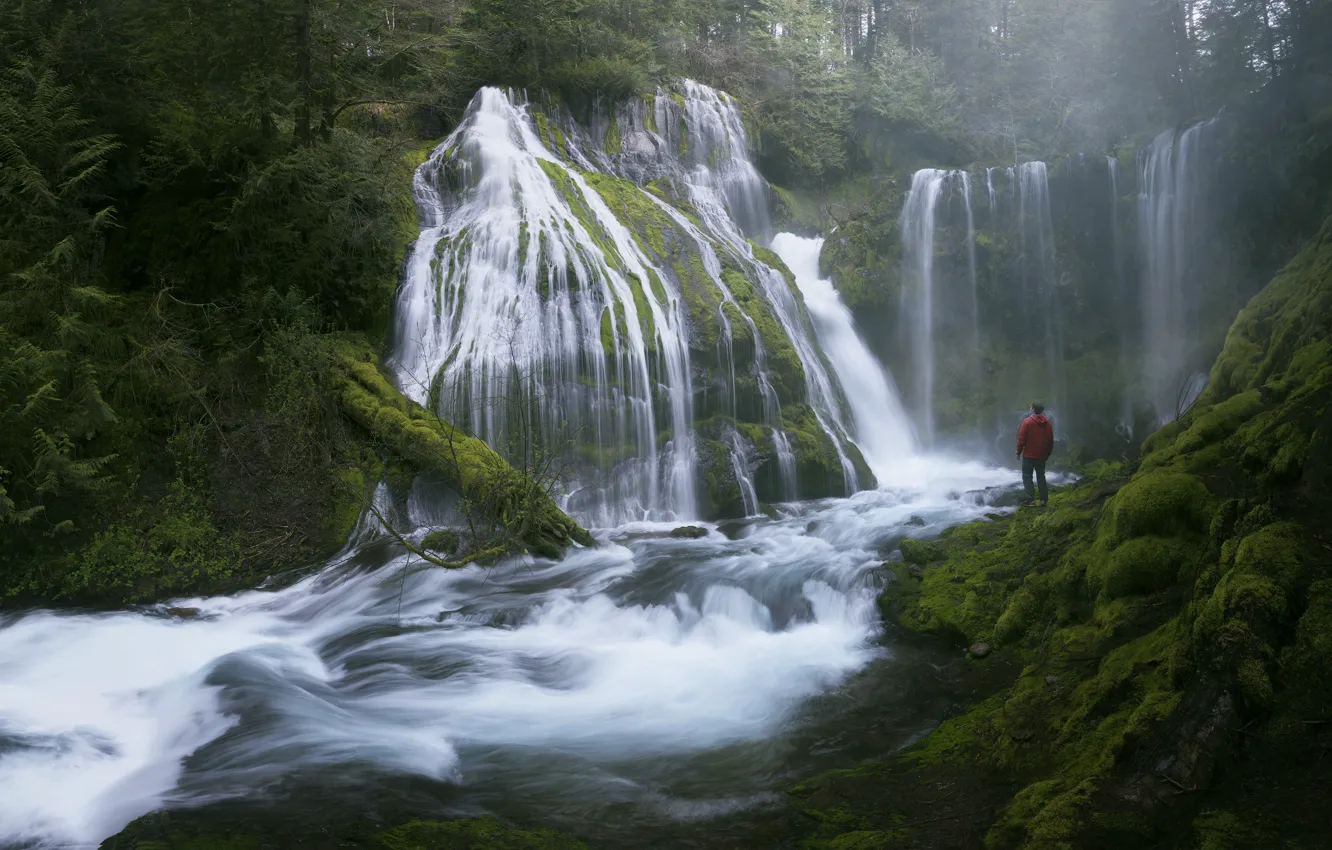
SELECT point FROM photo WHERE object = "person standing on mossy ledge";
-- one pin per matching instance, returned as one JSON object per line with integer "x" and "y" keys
{"x": 1034, "y": 444}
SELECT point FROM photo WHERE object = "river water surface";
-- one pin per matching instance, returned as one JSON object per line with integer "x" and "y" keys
{"x": 626, "y": 692}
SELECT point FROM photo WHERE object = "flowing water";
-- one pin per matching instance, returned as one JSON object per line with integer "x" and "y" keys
{"x": 1170, "y": 211}
{"x": 632, "y": 693}
{"x": 625, "y": 692}
{"x": 538, "y": 309}
{"x": 918, "y": 290}
{"x": 882, "y": 429}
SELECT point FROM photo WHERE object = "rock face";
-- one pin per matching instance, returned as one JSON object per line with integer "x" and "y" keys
{"x": 1158, "y": 610}
{"x": 671, "y": 355}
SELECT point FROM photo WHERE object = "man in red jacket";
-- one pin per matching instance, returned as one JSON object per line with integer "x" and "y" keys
{"x": 1034, "y": 444}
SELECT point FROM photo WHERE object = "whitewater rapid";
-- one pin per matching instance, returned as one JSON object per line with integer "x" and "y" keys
{"x": 612, "y": 675}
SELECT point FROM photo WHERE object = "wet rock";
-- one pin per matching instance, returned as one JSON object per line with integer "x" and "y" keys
{"x": 979, "y": 650}
{"x": 689, "y": 532}
{"x": 917, "y": 521}
{"x": 185, "y": 613}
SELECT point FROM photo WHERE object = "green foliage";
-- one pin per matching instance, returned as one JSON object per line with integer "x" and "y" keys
{"x": 327, "y": 222}
{"x": 159, "y": 550}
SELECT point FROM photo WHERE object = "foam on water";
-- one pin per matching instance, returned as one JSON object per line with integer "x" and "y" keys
{"x": 587, "y": 676}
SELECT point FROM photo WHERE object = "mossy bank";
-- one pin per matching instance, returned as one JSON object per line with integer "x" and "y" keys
{"x": 1173, "y": 625}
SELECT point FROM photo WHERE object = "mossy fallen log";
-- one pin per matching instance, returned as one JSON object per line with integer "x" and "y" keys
{"x": 503, "y": 494}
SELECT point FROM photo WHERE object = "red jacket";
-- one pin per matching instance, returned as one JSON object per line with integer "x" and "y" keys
{"x": 1036, "y": 437}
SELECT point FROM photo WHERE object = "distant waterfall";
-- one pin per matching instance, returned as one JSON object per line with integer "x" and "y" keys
{"x": 1036, "y": 227}
{"x": 1169, "y": 209}
{"x": 931, "y": 300}
{"x": 918, "y": 289}
{"x": 882, "y": 429}
{"x": 554, "y": 305}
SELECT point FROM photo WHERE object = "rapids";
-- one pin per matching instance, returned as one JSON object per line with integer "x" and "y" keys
{"x": 627, "y": 690}
{"x": 648, "y": 682}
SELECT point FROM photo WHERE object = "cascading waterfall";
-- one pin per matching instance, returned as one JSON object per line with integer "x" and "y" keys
{"x": 918, "y": 288}
{"x": 1123, "y": 301}
{"x": 1036, "y": 227}
{"x": 933, "y": 302}
{"x": 533, "y": 313}
{"x": 1169, "y": 208}
{"x": 629, "y": 692}
{"x": 971, "y": 261}
{"x": 882, "y": 428}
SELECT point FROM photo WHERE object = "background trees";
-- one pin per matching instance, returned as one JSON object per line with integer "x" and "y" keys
{"x": 183, "y": 183}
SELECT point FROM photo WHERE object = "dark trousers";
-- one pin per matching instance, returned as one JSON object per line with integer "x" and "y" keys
{"x": 1030, "y": 465}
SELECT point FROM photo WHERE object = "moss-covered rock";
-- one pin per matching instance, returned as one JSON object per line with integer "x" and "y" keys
{"x": 919, "y": 553}
{"x": 465, "y": 463}
{"x": 205, "y": 830}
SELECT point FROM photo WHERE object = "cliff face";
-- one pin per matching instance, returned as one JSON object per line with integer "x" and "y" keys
{"x": 1174, "y": 625}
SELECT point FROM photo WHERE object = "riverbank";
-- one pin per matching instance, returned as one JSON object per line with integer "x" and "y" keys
{"x": 1173, "y": 627}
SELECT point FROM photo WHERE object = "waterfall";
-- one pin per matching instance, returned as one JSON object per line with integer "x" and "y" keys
{"x": 564, "y": 295}
{"x": 1169, "y": 218}
{"x": 882, "y": 429}
{"x": 1123, "y": 302}
{"x": 918, "y": 288}
{"x": 1039, "y": 283}
{"x": 971, "y": 260}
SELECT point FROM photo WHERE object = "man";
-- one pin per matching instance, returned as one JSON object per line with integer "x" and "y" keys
{"x": 1034, "y": 444}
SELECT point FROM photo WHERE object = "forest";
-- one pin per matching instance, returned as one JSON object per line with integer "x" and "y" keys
{"x": 210, "y": 217}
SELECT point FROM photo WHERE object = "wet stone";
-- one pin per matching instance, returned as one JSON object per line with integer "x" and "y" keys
{"x": 979, "y": 650}
{"x": 689, "y": 532}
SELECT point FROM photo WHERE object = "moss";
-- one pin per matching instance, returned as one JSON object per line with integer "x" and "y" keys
{"x": 1140, "y": 565}
{"x": 444, "y": 541}
{"x": 549, "y": 132}
{"x": 1143, "y": 609}
{"x": 206, "y": 830}
{"x": 352, "y": 488}
{"x": 786, "y": 372}
{"x": 1159, "y": 503}
{"x": 1304, "y": 669}
{"x": 485, "y": 833}
{"x": 465, "y": 463}
{"x": 614, "y": 143}
{"x": 607, "y": 332}
{"x": 921, "y": 554}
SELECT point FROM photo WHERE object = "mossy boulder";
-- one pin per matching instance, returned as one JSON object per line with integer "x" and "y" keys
{"x": 1160, "y": 503}
{"x": 920, "y": 553}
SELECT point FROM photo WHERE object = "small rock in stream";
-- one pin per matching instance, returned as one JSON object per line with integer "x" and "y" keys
{"x": 979, "y": 650}
{"x": 184, "y": 613}
{"x": 689, "y": 532}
